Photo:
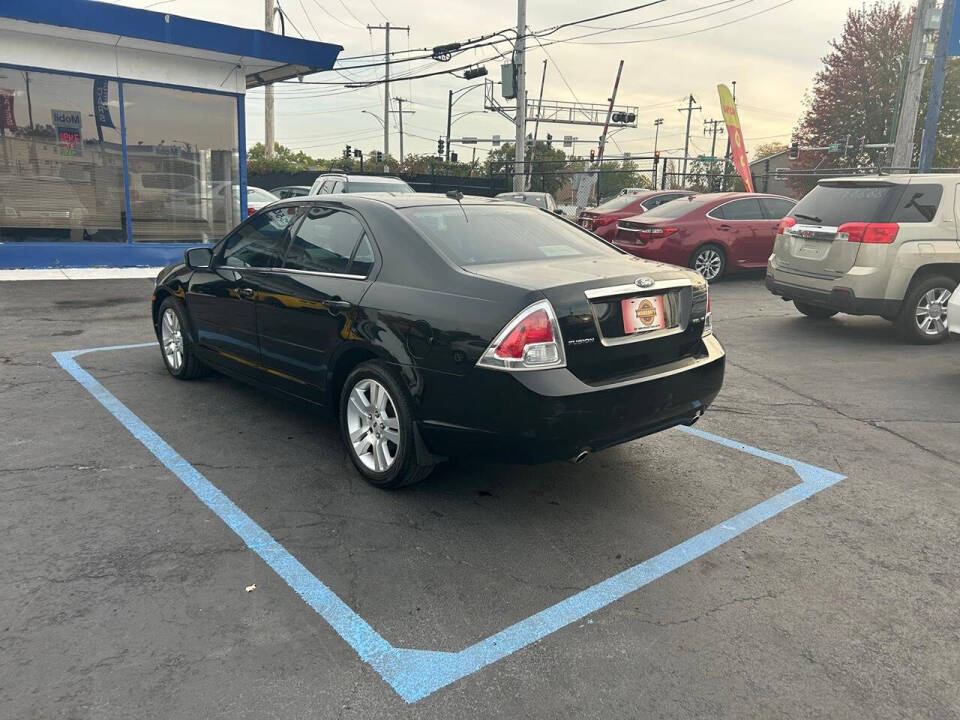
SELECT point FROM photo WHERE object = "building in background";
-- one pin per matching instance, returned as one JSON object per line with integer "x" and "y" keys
{"x": 122, "y": 130}
{"x": 764, "y": 172}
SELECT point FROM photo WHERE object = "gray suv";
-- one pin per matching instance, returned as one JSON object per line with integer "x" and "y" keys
{"x": 882, "y": 245}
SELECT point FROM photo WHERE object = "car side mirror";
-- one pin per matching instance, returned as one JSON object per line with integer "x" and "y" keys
{"x": 198, "y": 258}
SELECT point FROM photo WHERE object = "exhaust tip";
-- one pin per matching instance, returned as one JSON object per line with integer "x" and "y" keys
{"x": 579, "y": 457}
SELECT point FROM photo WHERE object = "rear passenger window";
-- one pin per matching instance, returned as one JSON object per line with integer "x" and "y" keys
{"x": 918, "y": 204}
{"x": 745, "y": 209}
{"x": 324, "y": 242}
{"x": 363, "y": 258}
{"x": 775, "y": 208}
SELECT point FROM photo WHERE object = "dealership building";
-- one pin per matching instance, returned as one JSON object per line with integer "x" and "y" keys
{"x": 122, "y": 134}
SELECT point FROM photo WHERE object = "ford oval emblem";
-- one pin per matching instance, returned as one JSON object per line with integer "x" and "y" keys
{"x": 644, "y": 282}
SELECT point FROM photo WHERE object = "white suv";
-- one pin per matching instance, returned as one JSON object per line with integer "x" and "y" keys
{"x": 881, "y": 245}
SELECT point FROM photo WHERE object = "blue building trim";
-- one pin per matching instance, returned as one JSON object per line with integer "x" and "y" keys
{"x": 127, "y": 216}
{"x": 242, "y": 145}
{"x": 173, "y": 30}
{"x": 88, "y": 254}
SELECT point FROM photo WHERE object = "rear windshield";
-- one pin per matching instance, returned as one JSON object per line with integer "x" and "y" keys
{"x": 358, "y": 186}
{"x": 676, "y": 208}
{"x": 833, "y": 204}
{"x": 479, "y": 235}
{"x": 617, "y": 203}
{"x": 539, "y": 201}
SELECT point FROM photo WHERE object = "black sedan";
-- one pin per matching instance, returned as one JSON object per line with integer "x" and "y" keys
{"x": 444, "y": 326}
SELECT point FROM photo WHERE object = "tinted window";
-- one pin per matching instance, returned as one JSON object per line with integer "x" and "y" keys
{"x": 363, "y": 258}
{"x": 833, "y": 204}
{"x": 259, "y": 242}
{"x": 776, "y": 208}
{"x": 678, "y": 208}
{"x": 397, "y": 186}
{"x": 478, "y": 235}
{"x": 746, "y": 209}
{"x": 618, "y": 203}
{"x": 324, "y": 242}
{"x": 919, "y": 203}
{"x": 658, "y": 201}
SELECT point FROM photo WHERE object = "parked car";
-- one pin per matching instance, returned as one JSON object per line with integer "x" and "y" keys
{"x": 257, "y": 198}
{"x": 953, "y": 313}
{"x": 884, "y": 245}
{"x": 602, "y": 220}
{"x": 343, "y": 183}
{"x": 714, "y": 233}
{"x": 537, "y": 199}
{"x": 289, "y": 191}
{"x": 41, "y": 207}
{"x": 441, "y": 327}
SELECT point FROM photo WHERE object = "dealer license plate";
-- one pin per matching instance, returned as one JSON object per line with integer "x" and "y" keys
{"x": 643, "y": 314}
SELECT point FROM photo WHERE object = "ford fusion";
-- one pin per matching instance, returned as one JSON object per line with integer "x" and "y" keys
{"x": 440, "y": 326}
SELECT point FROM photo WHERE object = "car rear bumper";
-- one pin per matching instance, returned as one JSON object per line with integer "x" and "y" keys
{"x": 839, "y": 298}
{"x": 660, "y": 250}
{"x": 531, "y": 417}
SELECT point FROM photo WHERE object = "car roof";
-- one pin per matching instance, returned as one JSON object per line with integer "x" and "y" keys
{"x": 524, "y": 193}
{"x": 903, "y": 178}
{"x": 366, "y": 178}
{"x": 404, "y": 200}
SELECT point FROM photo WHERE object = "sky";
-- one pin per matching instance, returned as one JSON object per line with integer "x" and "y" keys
{"x": 771, "y": 48}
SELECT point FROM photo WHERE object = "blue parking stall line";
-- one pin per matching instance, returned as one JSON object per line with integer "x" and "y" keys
{"x": 416, "y": 673}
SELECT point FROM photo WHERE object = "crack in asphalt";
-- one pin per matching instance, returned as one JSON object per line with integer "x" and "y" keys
{"x": 710, "y": 611}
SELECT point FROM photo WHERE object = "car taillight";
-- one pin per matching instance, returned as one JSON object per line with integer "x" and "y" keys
{"x": 250, "y": 211}
{"x": 787, "y": 222}
{"x": 531, "y": 341}
{"x": 651, "y": 233}
{"x": 604, "y": 220}
{"x": 707, "y": 319}
{"x": 873, "y": 233}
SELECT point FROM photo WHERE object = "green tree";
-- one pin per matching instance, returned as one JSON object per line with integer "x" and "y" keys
{"x": 283, "y": 160}
{"x": 767, "y": 149}
{"x": 619, "y": 174}
{"x": 548, "y": 173}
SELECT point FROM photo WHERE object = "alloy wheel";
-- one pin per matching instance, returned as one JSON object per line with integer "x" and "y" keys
{"x": 373, "y": 425}
{"x": 708, "y": 263}
{"x": 931, "y": 312}
{"x": 171, "y": 337}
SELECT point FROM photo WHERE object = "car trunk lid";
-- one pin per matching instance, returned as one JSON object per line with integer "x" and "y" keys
{"x": 618, "y": 315}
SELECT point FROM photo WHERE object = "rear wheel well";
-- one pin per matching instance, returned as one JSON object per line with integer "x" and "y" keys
{"x": 344, "y": 366}
{"x": 951, "y": 270}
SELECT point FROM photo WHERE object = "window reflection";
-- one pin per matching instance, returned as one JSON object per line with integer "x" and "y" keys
{"x": 61, "y": 165}
{"x": 183, "y": 164}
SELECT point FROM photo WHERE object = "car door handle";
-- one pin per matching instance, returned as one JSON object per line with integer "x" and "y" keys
{"x": 338, "y": 304}
{"x": 246, "y": 292}
{"x": 725, "y": 227}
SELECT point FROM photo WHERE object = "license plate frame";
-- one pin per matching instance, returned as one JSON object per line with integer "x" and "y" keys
{"x": 643, "y": 314}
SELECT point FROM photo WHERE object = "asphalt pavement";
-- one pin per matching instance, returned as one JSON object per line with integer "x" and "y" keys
{"x": 123, "y": 595}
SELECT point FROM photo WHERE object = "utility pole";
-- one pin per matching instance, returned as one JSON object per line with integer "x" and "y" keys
{"x": 520, "y": 68}
{"x": 536, "y": 128}
{"x": 910, "y": 106}
{"x": 929, "y": 144}
{"x": 270, "y": 11}
{"x": 449, "y": 122}
{"x": 400, "y": 112}
{"x": 714, "y": 129}
{"x": 606, "y": 125}
{"x": 387, "y": 29}
{"x": 686, "y": 144}
{"x": 656, "y": 136}
{"x": 726, "y": 155}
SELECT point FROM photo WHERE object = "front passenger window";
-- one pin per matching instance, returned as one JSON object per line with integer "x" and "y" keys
{"x": 259, "y": 242}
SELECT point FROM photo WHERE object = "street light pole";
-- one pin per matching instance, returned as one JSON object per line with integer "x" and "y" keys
{"x": 270, "y": 11}
{"x": 449, "y": 123}
{"x": 519, "y": 65}
{"x": 656, "y": 136}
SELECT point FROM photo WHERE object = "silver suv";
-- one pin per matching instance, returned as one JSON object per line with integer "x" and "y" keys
{"x": 344, "y": 183}
{"x": 882, "y": 245}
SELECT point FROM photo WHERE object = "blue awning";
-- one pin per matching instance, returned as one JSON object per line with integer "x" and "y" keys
{"x": 271, "y": 57}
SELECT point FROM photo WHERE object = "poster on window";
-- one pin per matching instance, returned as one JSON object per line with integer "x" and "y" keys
{"x": 101, "y": 110}
{"x": 8, "y": 120}
{"x": 68, "y": 126}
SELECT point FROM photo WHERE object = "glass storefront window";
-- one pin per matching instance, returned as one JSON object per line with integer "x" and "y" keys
{"x": 183, "y": 164}
{"x": 61, "y": 164}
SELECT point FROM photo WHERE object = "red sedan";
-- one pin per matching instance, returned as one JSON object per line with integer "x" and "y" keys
{"x": 714, "y": 233}
{"x": 602, "y": 220}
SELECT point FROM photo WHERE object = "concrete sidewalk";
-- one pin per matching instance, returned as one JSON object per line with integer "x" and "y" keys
{"x": 105, "y": 273}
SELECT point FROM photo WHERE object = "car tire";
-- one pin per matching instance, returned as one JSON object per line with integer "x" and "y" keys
{"x": 814, "y": 311}
{"x": 173, "y": 334}
{"x": 376, "y": 423}
{"x": 710, "y": 261}
{"x": 923, "y": 316}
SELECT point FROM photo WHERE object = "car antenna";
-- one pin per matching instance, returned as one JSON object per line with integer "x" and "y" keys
{"x": 458, "y": 196}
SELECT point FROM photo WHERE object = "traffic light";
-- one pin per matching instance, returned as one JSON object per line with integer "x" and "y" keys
{"x": 617, "y": 117}
{"x": 593, "y": 154}
{"x": 358, "y": 153}
{"x": 440, "y": 146}
{"x": 453, "y": 157}
{"x": 794, "y": 151}
{"x": 346, "y": 153}
{"x": 656, "y": 157}
{"x": 475, "y": 72}
{"x": 549, "y": 141}
{"x": 379, "y": 156}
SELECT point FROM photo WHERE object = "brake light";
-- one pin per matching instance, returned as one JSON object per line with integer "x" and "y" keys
{"x": 604, "y": 220}
{"x": 251, "y": 211}
{"x": 531, "y": 341}
{"x": 649, "y": 233}
{"x": 871, "y": 233}
{"x": 787, "y": 222}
